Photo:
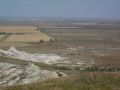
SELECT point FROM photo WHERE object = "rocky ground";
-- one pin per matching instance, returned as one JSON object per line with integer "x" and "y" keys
{"x": 11, "y": 74}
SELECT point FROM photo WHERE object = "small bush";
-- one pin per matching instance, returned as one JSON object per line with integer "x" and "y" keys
{"x": 41, "y": 41}
{"x": 2, "y": 33}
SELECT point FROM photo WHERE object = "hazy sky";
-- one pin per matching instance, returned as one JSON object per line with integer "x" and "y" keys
{"x": 60, "y": 8}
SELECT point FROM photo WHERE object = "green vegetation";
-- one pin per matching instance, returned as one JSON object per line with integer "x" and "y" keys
{"x": 2, "y": 33}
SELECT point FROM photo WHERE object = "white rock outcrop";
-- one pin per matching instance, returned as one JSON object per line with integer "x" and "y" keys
{"x": 11, "y": 74}
{"x": 22, "y": 55}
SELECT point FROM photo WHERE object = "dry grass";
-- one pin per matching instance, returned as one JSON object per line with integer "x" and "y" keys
{"x": 18, "y": 29}
{"x": 79, "y": 34}
{"x": 85, "y": 81}
{"x": 1, "y": 36}
{"x": 108, "y": 60}
{"x": 28, "y": 38}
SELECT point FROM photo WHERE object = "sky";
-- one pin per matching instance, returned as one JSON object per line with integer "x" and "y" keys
{"x": 60, "y": 8}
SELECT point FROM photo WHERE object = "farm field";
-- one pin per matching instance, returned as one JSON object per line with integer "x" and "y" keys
{"x": 28, "y": 38}
{"x": 27, "y": 34}
{"x": 18, "y": 29}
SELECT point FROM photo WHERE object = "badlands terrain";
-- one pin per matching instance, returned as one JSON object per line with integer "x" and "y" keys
{"x": 66, "y": 56}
